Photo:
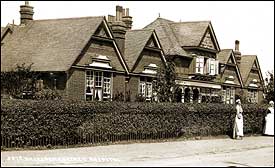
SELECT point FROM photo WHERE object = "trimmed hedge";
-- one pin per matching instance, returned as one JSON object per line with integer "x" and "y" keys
{"x": 63, "y": 120}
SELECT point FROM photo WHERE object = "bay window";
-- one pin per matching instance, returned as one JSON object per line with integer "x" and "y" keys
{"x": 98, "y": 85}
{"x": 146, "y": 87}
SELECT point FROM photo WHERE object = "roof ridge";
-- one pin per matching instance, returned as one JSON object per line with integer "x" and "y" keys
{"x": 208, "y": 21}
{"x": 141, "y": 30}
{"x": 85, "y": 17}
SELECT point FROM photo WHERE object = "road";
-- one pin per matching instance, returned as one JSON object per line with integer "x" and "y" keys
{"x": 253, "y": 151}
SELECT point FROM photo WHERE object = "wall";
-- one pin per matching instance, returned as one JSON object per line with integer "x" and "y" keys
{"x": 132, "y": 86}
{"x": 183, "y": 66}
{"x": 76, "y": 84}
{"x": 148, "y": 57}
{"x": 101, "y": 48}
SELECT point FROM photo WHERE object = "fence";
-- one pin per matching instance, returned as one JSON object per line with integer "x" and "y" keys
{"x": 19, "y": 142}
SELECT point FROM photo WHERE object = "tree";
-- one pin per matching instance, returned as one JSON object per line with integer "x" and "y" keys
{"x": 20, "y": 79}
{"x": 269, "y": 86}
{"x": 165, "y": 84}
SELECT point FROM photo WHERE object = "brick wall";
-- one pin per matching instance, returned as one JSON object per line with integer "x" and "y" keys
{"x": 101, "y": 48}
{"x": 148, "y": 57}
{"x": 118, "y": 84}
{"x": 76, "y": 84}
{"x": 230, "y": 71}
{"x": 132, "y": 86}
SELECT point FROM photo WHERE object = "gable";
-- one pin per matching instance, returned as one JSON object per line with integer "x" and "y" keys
{"x": 231, "y": 60}
{"x": 252, "y": 76}
{"x": 208, "y": 41}
{"x": 152, "y": 43}
{"x": 147, "y": 58}
{"x": 102, "y": 32}
{"x": 230, "y": 75}
{"x": 150, "y": 55}
{"x": 255, "y": 65}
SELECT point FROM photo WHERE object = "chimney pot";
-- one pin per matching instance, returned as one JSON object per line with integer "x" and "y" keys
{"x": 237, "y": 45}
{"x": 127, "y": 11}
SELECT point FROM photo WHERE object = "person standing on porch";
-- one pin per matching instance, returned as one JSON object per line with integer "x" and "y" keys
{"x": 238, "y": 124}
{"x": 269, "y": 120}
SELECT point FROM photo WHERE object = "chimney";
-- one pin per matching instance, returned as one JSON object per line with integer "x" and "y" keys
{"x": 26, "y": 13}
{"x": 119, "y": 28}
{"x": 127, "y": 19}
{"x": 237, "y": 52}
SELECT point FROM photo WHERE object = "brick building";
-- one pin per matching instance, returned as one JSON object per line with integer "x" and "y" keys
{"x": 92, "y": 58}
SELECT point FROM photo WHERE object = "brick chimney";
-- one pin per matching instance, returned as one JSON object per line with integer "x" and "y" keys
{"x": 26, "y": 13}
{"x": 127, "y": 19}
{"x": 118, "y": 27}
{"x": 237, "y": 52}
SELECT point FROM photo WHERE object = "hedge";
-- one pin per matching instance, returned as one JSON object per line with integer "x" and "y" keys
{"x": 63, "y": 120}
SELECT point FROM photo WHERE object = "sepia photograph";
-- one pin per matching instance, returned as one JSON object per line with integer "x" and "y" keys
{"x": 137, "y": 83}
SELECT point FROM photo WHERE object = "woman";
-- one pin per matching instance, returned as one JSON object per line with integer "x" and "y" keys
{"x": 238, "y": 124}
{"x": 269, "y": 120}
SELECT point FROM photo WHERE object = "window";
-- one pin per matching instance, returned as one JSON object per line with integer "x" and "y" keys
{"x": 146, "y": 87}
{"x": 98, "y": 79}
{"x": 252, "y": 96}
{"x": 98, "y": 85}
{"x": 199, "y": 65}
{"x": 149, "y": 89}
{"x": 228, "y": 95}
{"x": 107, "y": 86}
{"x": 39, "y": 84}
{"x": 213, "y": 66}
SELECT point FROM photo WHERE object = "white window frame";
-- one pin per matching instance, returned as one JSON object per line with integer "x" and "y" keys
{"x": 98, "y": 86}
{"x": 199, "y": 64}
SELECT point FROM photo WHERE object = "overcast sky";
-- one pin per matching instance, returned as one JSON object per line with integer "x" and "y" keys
{"x": 250, "y": 22}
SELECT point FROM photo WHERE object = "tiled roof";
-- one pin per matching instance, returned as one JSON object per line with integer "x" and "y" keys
{"x": 167, "y": 37}
{"x": 190, "y": 33}
{"x": 135, "y": 41}
{"x": 52, "y": 45}
{"x": 224, "y": 55}
{"x": 175, "y": 35}
{"x": 246, "y": 65}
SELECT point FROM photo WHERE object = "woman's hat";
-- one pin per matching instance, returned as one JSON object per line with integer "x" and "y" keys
{"x": 271, "y": 102}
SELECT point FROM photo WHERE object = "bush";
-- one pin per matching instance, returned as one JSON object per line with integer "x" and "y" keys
{"x": 63, "y": 120}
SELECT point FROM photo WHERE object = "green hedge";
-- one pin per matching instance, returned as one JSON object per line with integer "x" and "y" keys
{"x": 67, "y": 119}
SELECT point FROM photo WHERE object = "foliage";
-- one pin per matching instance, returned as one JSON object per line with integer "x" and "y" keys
{"x": 165, "y": 84}
{"x": 46, "y": 94}
{"x": 269, "y": 87}
{"x": 64, "y": 120}
{"x": 19, "y": 80}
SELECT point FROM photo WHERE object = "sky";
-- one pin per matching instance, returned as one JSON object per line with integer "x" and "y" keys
{"x": 250, "y": 22}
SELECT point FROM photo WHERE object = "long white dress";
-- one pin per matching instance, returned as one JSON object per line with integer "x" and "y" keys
{"x": 238, "y": 124}
{"x": 269, "y": 122}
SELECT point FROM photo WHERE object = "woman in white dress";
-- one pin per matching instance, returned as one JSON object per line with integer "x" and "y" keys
{"x": 269, "y": 120}
{"x": 238, "y": 124}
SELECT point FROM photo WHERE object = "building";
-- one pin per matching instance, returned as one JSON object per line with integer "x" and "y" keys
{"x": 94, "y": 58}
{"x": 206, "y": 72}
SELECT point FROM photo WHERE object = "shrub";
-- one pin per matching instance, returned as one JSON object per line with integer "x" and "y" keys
{"x": 64, "y": 120}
